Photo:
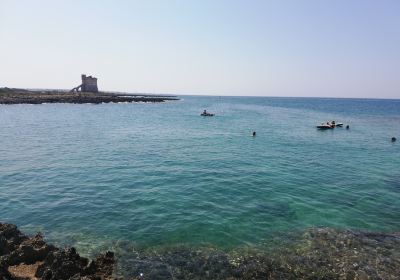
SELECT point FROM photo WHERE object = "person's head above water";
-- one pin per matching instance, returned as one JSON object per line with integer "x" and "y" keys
{"x": 254, "y": 133}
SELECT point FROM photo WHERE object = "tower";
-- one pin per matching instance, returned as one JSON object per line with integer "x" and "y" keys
{"x": 89, "y": 84}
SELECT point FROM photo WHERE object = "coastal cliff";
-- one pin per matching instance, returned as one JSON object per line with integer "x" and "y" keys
{"x": 22, "y": 96}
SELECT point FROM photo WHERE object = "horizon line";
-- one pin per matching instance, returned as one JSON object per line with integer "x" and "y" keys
{"x": 216, "y": 95}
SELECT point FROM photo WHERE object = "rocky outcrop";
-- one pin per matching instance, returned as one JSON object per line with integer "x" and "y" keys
{"x": 10, "y": 238}
{"x": 55, "y": 264}
{"x": 67, "y": 264}
{"x": 30, "y": 251}
{"x": 22, "y": 96}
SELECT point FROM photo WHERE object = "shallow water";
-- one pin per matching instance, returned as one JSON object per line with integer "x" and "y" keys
{"x": 161, "y": 175}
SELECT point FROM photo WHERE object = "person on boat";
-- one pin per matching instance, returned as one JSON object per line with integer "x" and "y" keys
{"x": 333, "y": 123}
{"x": 205, "y": 112}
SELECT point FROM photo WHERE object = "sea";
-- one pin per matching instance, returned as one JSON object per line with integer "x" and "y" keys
{"x": 158, "y": 174}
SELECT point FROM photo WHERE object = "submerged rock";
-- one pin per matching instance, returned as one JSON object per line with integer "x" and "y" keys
{"x": 276, "y": 209}
{"x": 318, "y": 253}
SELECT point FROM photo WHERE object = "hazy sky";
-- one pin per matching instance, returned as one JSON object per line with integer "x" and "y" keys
{"x": 348, "y": 48}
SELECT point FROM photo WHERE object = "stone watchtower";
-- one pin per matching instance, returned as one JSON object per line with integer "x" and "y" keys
{"x": 89, "y": 84}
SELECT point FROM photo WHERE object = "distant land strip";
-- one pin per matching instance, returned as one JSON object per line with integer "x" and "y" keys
{"x": 26, "y": 96}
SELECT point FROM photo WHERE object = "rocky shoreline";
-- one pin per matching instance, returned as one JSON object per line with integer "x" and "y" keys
{"x": 23, "y": 258}
{"x": 11, "y": 96}
{"x": 318, "y": 253}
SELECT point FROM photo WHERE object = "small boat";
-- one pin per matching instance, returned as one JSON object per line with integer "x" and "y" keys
{"x": 206, "y": 114}
{"x": 329, "y": 125}
{"x": 335, "y": 124}
{"x": 325, "y": 126}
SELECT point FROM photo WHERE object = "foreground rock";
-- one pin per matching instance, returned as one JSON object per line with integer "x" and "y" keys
{"x": 22, "y": 96}
{"x": 39, "y": 260}
{"x": 318, "y": 253}
{"x": 67, "y": 264}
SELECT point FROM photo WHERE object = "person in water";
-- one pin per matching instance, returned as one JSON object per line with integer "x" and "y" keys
{"x": 254, "y": 133}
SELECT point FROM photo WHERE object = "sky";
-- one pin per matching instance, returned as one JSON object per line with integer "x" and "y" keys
{"x": 332, "y": 48}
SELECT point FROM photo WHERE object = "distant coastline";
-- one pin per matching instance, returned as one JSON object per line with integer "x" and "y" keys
{"x": 11, "y": 96}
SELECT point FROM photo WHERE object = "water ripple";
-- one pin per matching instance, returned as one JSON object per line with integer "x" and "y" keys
{"x": 158, "y": 174}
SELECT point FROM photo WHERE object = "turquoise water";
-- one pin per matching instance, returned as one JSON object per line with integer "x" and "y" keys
{"x": 159, "y": 174}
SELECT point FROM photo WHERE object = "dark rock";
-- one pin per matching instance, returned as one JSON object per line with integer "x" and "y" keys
{"x": 104, "y": 264}
{"x": 67, "y": 264}
{"x": 10, "y": 238}
{"x": 3, "y": 246}
{"x": 17, "y": 248}
{"x": 9, "y": 231}
{"x": 30, "y": 251}
{"x": 62, "y": 264}
{"x": 4, "y": 274}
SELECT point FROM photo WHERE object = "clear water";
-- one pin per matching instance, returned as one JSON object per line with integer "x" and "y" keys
{"x": 160, "y": 175}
